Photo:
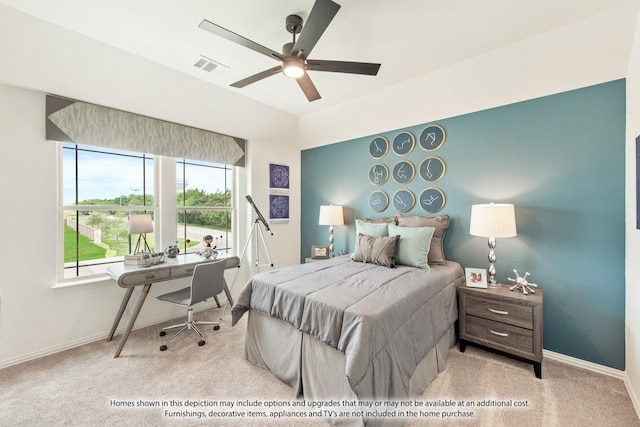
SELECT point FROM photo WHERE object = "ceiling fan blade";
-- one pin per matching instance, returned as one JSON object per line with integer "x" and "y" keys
{"x": 320, "y": 17}
{"x": 236, "y": 38}
{"x": 343, "y": 67}
{"x": 308, "y": 87}
{"x": 256, "y": 77}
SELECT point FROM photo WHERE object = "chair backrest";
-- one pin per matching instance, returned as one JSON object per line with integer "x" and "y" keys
{"x": 207, "y": 280}
{"x": 232, "y": 261}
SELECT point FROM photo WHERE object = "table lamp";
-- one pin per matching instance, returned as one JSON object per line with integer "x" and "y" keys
{"x": 331, "y": 215}
{"x": 493, "y": 220}
{"x": 140, "y": 224}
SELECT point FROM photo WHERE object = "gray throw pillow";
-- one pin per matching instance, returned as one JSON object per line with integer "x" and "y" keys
{"x": 376, "y": 250}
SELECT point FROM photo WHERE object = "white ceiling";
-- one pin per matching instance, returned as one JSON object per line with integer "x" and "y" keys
{"x": 408, "y": 37}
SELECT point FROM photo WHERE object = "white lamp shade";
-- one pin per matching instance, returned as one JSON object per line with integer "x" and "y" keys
{"x": 331, "y": 215}
{"x": 493, "y": 220}
{"x": 140, "y": 223}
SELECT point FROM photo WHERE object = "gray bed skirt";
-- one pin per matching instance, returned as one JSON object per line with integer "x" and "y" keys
{"x": 317, "y": 371}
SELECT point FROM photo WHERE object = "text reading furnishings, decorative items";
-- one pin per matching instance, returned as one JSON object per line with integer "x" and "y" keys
{"x": 432, "y": 169}
{"x": 403, "y": 172}
{"x": 476, "y": 277}
{"x": 140, "y": 224}
{"x": 432, "y": 137}
{"x": 403, "y": 200}
{"x": 503, "y": 320}
{"x": 378, "y": 147}
{"x": 378, "y": 201}
{"x": 403, "y": 143}
{"x": 331, "y": 215}
{"x": 432, "y": 200}
{"x": 493, "y": 220}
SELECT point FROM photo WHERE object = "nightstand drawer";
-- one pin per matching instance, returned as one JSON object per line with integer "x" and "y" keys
{"x": 492, "y": 333}
{"x": 500, "y": 311}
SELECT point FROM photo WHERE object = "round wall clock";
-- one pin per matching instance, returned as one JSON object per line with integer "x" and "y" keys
{"x": 432, "y": 137}
{"x": 432, "y": 169}
{"x": 403, "y": 143}
{"x": 378, "y": 201}
{"x": 432, "y": 199}
{"x": 378, "y": 174}
{"x": 379, "y": 147}
{"x": 403, "y": 172}
{"x": 404, "y": 200}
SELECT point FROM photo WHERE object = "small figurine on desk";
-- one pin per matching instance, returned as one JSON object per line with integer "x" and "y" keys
{"x": 208, "y": 250}
{"x": 521, "y": 283}
{"x": 173, "y": 250}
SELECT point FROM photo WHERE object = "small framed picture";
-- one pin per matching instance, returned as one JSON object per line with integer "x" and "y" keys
{"x": 319, "y": 251}
{"x": 476, "y": 277}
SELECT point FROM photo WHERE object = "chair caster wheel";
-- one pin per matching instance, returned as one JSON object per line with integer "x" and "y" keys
{"x": 163, "y": 333}
{"x": 163, "y": 347}
{"x": 201, "y": 343}
{"x": 216, "y": 327}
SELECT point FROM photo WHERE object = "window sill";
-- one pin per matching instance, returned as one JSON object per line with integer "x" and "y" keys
{"x": 82, "y": 284}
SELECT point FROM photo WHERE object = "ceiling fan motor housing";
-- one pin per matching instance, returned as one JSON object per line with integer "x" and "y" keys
{"x": 293, "y": 24}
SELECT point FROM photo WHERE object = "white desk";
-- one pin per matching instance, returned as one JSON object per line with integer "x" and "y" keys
{"x": 132, "y": 276}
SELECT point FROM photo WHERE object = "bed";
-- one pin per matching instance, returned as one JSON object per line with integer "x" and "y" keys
{"x": 370, "y": 326}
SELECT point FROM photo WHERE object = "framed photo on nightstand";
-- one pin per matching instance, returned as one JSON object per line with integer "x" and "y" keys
{"x": 476, "y": 277}
{"x": 319, "y": 251}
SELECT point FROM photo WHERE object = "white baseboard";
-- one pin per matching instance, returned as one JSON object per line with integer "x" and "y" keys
{"x": 101, "y": 336}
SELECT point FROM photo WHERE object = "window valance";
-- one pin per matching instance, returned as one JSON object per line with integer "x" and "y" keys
{"x": 89, "y": 124}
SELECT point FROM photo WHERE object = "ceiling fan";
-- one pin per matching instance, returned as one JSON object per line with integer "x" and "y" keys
{"x": 295, "y": 55}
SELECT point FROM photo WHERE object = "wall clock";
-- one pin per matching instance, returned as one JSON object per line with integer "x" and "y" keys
{"x": 403, "y": 143}
{"x": 379, "y": 147}
{"x": 432, "y": 199}
{"x": 432, "y": 169}
{"x": 378, "y": 201}
{"x": 404, "y": 200}
{"x": 378, "y": 174}
{"x": 403, "y": 172}
{"x": 432, "y": 137}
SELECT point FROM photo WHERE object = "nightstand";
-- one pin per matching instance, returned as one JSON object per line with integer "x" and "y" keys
{"x": 504, "y": 320}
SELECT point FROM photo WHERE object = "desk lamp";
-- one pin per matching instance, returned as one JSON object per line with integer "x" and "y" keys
{"x": 140, "y": 224}
{"x": 493, "y": 220}
{"x": 331, "y": 215}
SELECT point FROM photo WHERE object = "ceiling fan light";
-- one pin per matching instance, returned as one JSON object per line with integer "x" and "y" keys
{"x": 293, "y": 68}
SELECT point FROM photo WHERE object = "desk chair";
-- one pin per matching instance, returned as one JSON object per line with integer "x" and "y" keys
{"x": 207, "y": 281}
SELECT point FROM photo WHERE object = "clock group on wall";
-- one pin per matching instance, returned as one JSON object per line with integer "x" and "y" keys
{"x": 431, "y": 170}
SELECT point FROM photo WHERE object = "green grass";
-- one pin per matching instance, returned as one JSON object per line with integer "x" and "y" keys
{"x": 88, "y": 250}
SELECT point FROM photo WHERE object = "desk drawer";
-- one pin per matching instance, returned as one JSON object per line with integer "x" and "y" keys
{"x": 144, "y": 277}
{"x": 500, "y": 311}
{"x": 182, "y": 271}
{"x": 499, "y": 335}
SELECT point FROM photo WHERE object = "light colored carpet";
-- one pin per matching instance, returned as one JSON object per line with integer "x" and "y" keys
{"x": 86, "y": 386}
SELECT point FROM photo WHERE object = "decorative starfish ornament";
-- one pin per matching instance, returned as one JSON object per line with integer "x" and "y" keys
{"x": 521, "y": 283}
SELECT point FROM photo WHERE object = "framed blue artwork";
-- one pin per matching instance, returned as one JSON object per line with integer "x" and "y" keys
{"x": 404, "y": 200}
{"x": 278, "y": 206}
{"x": 378, "y": 201}
{"x": 432, "y": 200}
{"x": 403, "y": 143}
{"x": 278, "y": 176}
{"x": 379, "y": 147}
{"x": 403, "y": 172}
{"x": 432, "y": 137}
{"x": 378, "y": 174}
{"x": 432, "y": 169}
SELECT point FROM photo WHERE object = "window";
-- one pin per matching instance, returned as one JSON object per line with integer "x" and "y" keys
{"x": 100, "y": 188}
{"x": 204, "y": 205}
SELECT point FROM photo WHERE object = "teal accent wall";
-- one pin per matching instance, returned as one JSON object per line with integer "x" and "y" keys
{"x": 560, "y": 160}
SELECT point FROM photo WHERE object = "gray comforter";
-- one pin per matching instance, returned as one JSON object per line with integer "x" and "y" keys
{"x": 385, "y": 320}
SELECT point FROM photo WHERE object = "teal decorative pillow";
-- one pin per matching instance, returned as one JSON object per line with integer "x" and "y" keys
{"x": 376, "y": 250}
{"x": 373, "y": 229}
{"x": 440, "y": 223}
{"x": 413, "y": 246}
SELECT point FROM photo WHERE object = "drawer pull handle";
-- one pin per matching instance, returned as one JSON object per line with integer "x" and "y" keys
{"x": 500, "y": 334}
{"x": 493, "y": 310}
{"x": 149, "y": 276}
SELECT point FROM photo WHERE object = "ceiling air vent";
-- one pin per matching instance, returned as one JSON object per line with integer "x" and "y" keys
{"x": 210, "y": 66}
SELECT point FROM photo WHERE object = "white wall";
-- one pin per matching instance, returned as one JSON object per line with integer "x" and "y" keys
{"x": 41, "y": 58}
{"x": 633, "y": 235}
